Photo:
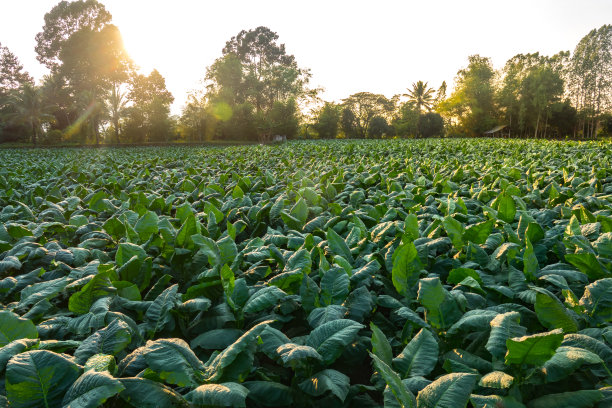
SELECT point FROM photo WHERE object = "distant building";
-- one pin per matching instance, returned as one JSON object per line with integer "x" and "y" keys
{"x": 497, "y": 131}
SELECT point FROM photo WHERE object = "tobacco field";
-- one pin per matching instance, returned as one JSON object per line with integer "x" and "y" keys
{"x": 400, "y": 273}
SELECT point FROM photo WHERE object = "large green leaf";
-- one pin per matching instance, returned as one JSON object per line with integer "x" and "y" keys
{"x": 473, "y": 321}
{"x": 174, "y": 362}
{"x": 589, "y": 343}
{"x": 535, "y": 349}
{"x": 597, "y": 299}
{"x": 224, "y": 394}
{"x": 216, "y": 338}
{"x": 448, "y": 391}
{"x": 406, "y": 268}
{"x": 13, "y": 348}
{"x": 43, "y": 290}
{"x": 13, "y": 327}
{"x": 338, "y": 245}
{"x": 39, "y": 378}
{"x": 158, "y": 315}
{"x": 327, "y": 380}
{"x": 419, "y": 357}
{"x": 573, "y": 399}
{"x": 235, "y": 361}
{"x": 552, "y": 313}
{"x": 334, "y": 286}
{"x": 91, "y": 390}
{"x": 98, "y": 287}
{"x": 101, "y": 362}
{"x": 506, "y": 207}
{"x": 454, "y": 230}
{"x": 269, "y": 394}
{"x": 503, "y": 327}
{"x": 128, "y": 250}
{"x": 263, "y": 299}
{"x": 293, "y": 354}
{"x": 441, "y": 309}
{"x": 147, "y": 225}
{"x": 380, "y": 345}
{"x": 496, "y": 379}
{"x": 588, "y": 264}
{"x": 144, "y": 393}
{"x": 567, "y": 360}
{"x": 330, "y": 339}
{"x": 478, "y": 233}
{"x": 402, "y": 394}
{"x": 326, "y": 314}
{"x": 111, "y": 340}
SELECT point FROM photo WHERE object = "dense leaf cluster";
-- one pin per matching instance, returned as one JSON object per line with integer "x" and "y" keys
{"x": 358, "y": 274}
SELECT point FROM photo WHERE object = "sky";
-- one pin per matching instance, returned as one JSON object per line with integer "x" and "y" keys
{"x": 349, "y": 46}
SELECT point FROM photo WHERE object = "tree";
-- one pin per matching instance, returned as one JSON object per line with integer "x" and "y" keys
{"x": 12, "y": 77}
{"x": 471, "y": 109}
{"x": 255, "y": 71}
{"x": 115, "y": 107}
{"x": 195, "y": 118}
{"x": 327, "y": 120}
{"x": 514, "y": 73}
{"x": 270, "y": 74}
{"x": 242, "y": 125}
{"x": 378, "y": 128}
{"x": 440, "y": 94}
{"x": 563, "y": 119}
{"x": 406, "y": 123}
{"x": 591, "y": 77}
{"x": 149, "y": 114}
{"x": 93, "y": 63}
{"x": 420, "y": 96}
{"x": 364, "y": 106}
{"x": 30, "y": 110}
{"x": 348, "y": 123}
{"x": 430, "y": 124}
{"x": 282, "y": 119}
{"x": 539, "y": 90}
{"x": 65, "y": 19}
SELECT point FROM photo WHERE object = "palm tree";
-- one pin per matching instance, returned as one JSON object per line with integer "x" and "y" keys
{"x": 116, "y": 108}
{"x": 91, "y": 112}
{"x": 421, "y": 96}
{"x": 30, "y": 109}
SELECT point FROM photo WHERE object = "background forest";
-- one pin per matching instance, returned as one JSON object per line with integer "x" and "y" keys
{"x": 255, "y": 90}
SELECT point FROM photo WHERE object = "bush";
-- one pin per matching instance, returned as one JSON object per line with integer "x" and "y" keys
{"x": 53, "y": 136}
{"x": 431, "y": 124}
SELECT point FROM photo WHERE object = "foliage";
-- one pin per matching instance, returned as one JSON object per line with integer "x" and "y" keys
{"x": 327, "y": 122}
{"x": 431, "y": 124}
{"x": 259, "y": 85}
{"x": 335, "y": 273}
{"x": 148, "y": 117}
{"x": 472, "y": 101}
{"x": 421, "y": 96}
{"x": 363, "y": 108}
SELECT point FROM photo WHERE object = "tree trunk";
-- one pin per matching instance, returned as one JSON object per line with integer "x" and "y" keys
{"x": 116, "y": 130}
{"x": 545, "y": 125}
{"x": 537, "y": 125}
{"x": 34, "y": 134}
{"x": 94, "y": 123}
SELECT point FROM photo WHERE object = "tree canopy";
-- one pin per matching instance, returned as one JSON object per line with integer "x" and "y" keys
{"x": 256, "y": 89}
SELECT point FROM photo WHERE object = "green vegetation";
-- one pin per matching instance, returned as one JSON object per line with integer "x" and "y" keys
{"x": 255, "y": 91}
{"x": 431, "y": 273}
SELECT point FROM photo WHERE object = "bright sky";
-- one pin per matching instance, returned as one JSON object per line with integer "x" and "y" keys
{"x": 350, "y": 46}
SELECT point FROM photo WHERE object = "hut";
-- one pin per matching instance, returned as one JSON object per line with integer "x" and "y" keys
{"x": 497, "y": 131}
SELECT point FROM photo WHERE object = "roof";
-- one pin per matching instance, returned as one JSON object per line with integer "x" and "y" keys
{"x": 495, "y": 129}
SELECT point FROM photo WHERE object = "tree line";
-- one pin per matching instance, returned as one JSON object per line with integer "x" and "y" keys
{"x": 255, "y": 90}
